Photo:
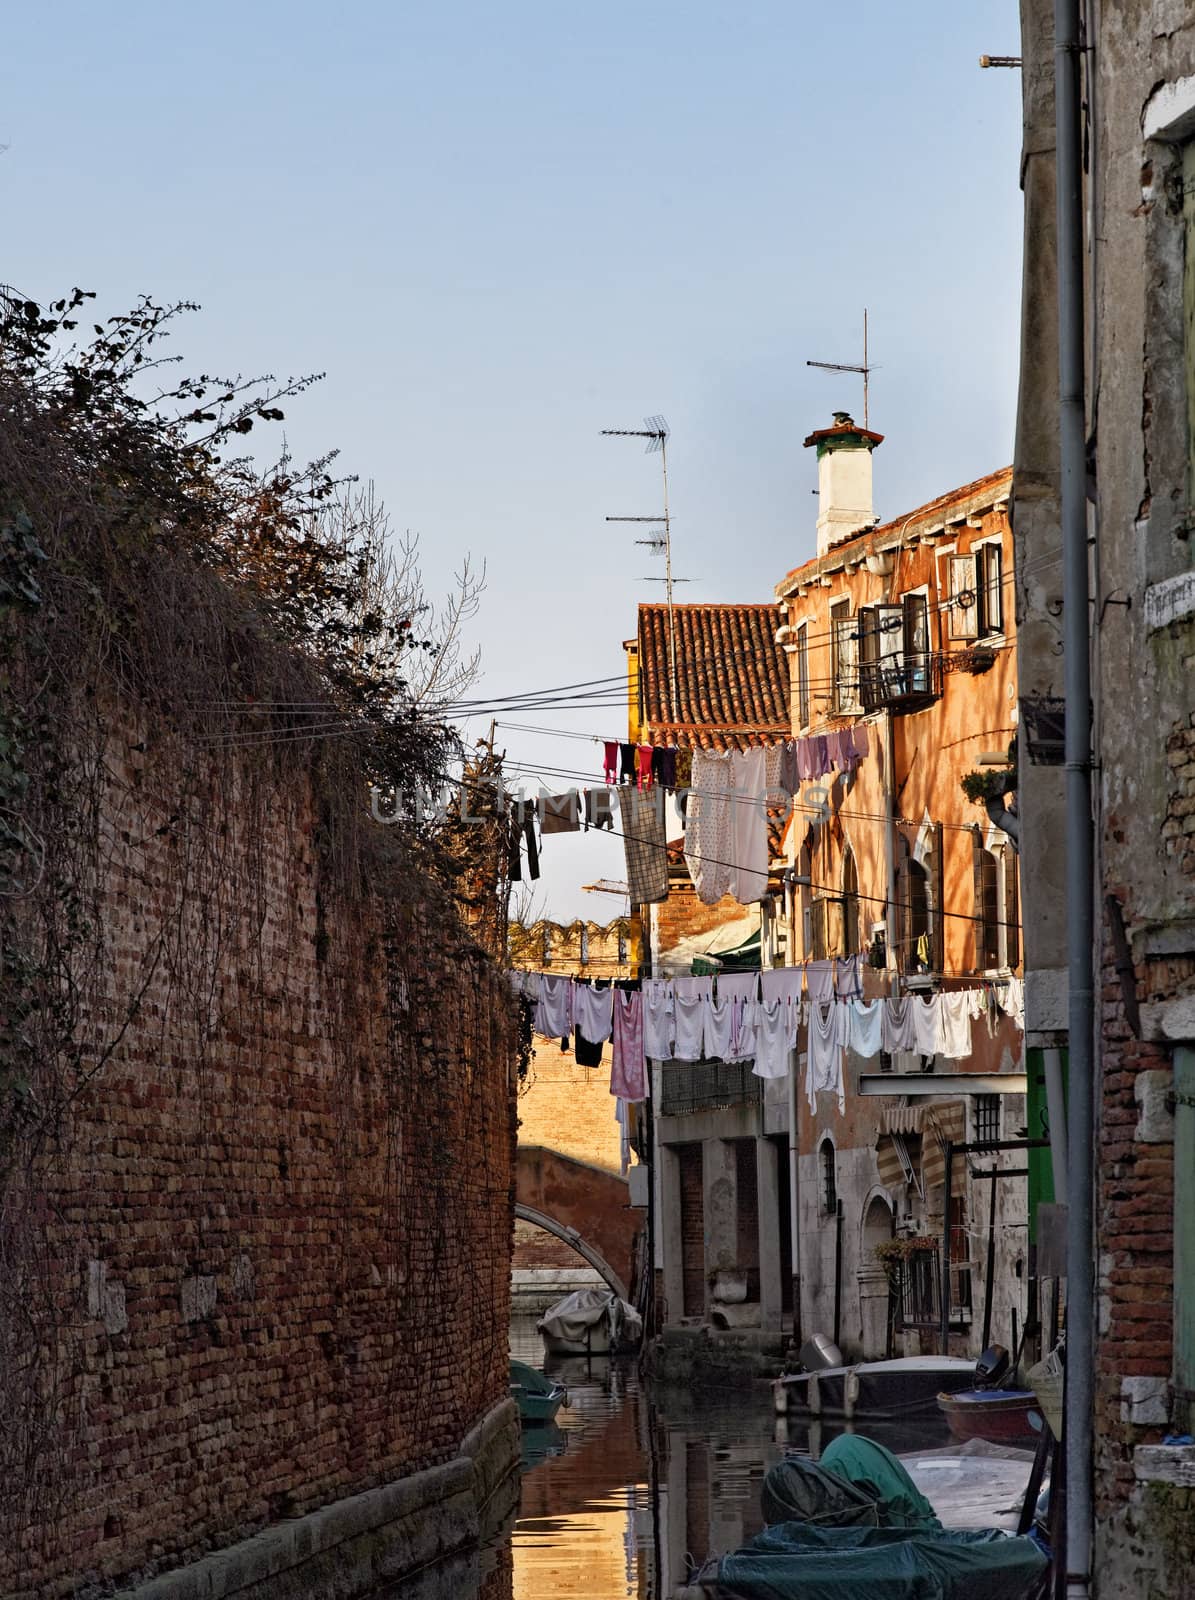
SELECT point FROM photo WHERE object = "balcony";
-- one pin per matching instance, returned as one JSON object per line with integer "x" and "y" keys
{"x": 901, "y": 683}
{"x": 690, "y": 1086}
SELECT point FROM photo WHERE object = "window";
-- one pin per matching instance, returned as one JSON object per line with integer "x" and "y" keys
{"x": 845, "y": 653}
{"x": 976, "y": 605}
{"x": 989, "y": 578}
{"x": 547, "y": 947}
{"x": 803, "y": 674}
{"x": 584, "y": 946}
{"x": 917, "y": 954}
{"x": 622, "y": 948}
{"x": 987, "y": 912}
{"x": 829, "y": 1179}
{"x": 896, "y": 665}
{"x": 987, "y": 1118}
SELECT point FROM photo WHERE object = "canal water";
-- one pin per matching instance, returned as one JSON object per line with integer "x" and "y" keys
{"x": 628, "y": 1492}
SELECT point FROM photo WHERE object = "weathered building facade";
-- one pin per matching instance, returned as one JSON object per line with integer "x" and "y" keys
{"x": 905, "y": 629}
{"x": 1139, "y": 270}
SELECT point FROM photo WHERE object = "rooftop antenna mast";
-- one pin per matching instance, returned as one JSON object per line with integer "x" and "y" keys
{"x": 844, "y": 366}
{"x": 655, "y": 430}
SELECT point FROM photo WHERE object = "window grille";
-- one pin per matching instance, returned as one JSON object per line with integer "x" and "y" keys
{"x": 987, "y": 1118}
{"x": 829, "y": 1179}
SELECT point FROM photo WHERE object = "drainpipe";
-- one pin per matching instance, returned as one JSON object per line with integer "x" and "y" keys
{"x": 794, "y": 1188}
{"x": 892, "y": 921}
{"x": 1080, "y": 1295}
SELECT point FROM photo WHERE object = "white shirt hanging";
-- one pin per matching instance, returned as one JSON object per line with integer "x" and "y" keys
{"x": 896, "y": 1027}
{"x": 927, "y": 1024}
{"x": 865, "y": 1026}
{"x": 690, "y": 1027}
{"x": 957, "y": 1009}
{"x": 827, "y": 1040}
{"x": 774, "y": 1027}
{"x": 659, "y": 1019}
{"x": 554, "y": 1012}
{"x": 593, "y": 1012}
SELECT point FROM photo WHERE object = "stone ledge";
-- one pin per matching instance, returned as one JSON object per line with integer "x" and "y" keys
{"x": 348, "y": 1549}
{"x": 1165, "y": 1463}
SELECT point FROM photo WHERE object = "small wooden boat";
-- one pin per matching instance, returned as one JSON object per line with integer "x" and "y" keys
{"x": 884, "y": 1390}
{"x": 1002, "y": 1416}
{"x": 538, "y": 1397}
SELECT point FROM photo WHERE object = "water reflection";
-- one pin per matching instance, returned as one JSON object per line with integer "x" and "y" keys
{"x": 627, "y": 1493}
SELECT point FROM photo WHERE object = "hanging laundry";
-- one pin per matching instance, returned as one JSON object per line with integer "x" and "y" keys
{"x": 560, "y": 813}
{"x": 775, "y": 1031}
{"x": 707, "y": 825}
{"x": 659, "y": 1019}
{"x": 860, "y": 740}
{"x": 741, "y": 989}
{"x": 827, "y": 1040}
{"x": 848, "y": 980}
{"x": 689, "y": 987}
{"x": 663, "y": 768}
{"x": 820, "y": 764}
{"x": 628, "y": 761}
{"x": 644, "y": 845}
{"x": 554, "y": 1011}
{"x": 644, "y": 773}
{"x": 610, "y": 764}
{"x": 865, "y": 1027}
{"x": 622, "y": 1115}
{"x": 593, "y": 1011}
{"x": 790, "y": 776}
{"x": 927, "y": 1024}
{"x": 690, "y": 1025}
{"x": 1012, "y": 1000}
{"x": 586, "y": 1052}
{"x": 956, "y": 1010}
{"x": 897, "y": 1033}
{"x": 599, "y": 808}
{"x": 628, "y": 1070}
{"x": 774, "y": 792}
{"x": 819, "y": 980}
{"x": 749, "y": 852}
{"x": 782, "y": 983}
{"x": 718, "y": 1040}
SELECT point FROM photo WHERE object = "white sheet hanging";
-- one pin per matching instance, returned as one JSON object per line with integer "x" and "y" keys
{"x": 865, "y": 1026}
{"x": 593, "y": 1012}
{"x": 957, "y": 1009}
{"x": 690, "y": 1026}
{"x": 554, "y": 1011}
{"x": 927, "y": 1024}
{"x": 659, "y": 1019}
{"x": 774, "y": 1027}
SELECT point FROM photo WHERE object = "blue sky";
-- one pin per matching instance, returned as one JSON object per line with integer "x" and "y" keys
{"x": 501, "y": 229}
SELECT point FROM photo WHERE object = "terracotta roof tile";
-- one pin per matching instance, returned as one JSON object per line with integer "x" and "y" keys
{"x": 732, "y": 677}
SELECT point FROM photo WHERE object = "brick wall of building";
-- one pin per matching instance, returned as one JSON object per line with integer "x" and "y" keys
{"x": 273, "y": 1237}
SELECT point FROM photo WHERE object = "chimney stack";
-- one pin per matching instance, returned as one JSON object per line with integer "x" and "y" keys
{"x": 843, "y": 479}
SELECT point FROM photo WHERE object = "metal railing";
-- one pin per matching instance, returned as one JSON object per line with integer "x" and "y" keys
{"x": 707, "y": 1086}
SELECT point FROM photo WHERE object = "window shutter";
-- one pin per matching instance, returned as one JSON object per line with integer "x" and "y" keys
{"x": 977, "y": 903}
{"x": 904, "y": 918}
{"x": 1012, "y": 909}
{"x": 835, "y": 933}
{"x": 916, "y": 641}
{"x": 963, "y": 611}
{"x": 870, "y": 695}
{"x": 846, "y": 669}
{"x": 989, "y": 575}
{"x": 938, "y": 925}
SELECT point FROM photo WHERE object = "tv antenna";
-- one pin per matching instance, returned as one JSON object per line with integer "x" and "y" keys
{"x": 655, "y": 430}
{"x": 845, "y": 366}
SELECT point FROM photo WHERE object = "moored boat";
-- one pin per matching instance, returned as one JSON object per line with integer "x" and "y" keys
{"x": 1002, "y": 1416}
{"x": 590, "y": 1322}
{"x": 882, "y": 1390}
{"x": 537, "y": 1396}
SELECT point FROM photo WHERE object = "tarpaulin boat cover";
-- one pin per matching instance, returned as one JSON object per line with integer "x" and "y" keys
{"x": 878, "y": 1473}
{"x": 573, "y": 1316}
{"x": 798, "y": 1490}
{"x": 796, "y": 1562}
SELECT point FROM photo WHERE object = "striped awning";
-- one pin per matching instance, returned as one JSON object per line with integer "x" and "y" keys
{"x": 944, "y": 1124}
{"x": 899, "y": 1125}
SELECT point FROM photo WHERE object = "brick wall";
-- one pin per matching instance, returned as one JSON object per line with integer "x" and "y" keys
{"x": 273, "y": 1238}
{"x": 1135, "y": 1209}
{"x": 570, "y": 1108}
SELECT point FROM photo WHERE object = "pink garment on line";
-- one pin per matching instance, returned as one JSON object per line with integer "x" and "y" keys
{"x": 610, "y": 769}
{"x": 628, "y": 1067}
{"x": 645, "y": 766}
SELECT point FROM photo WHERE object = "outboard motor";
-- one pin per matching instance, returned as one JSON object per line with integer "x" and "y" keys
{"x": 820, "y": 1352}
{"x": 992, "y": 1367}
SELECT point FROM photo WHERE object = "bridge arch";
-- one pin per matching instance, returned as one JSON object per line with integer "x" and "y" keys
{"x": 586, "y": 1206}
{"x": 571, "y": 1237}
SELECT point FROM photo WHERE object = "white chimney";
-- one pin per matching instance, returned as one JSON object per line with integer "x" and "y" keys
{"x": 843, "y": 479}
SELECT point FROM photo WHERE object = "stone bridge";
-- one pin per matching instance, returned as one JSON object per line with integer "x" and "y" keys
{"x": 586, "y": 1206}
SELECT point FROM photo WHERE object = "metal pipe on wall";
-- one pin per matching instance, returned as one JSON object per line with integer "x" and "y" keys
{"x": 1080, "y": 841}
{"x": 1056, "y": 1112}
{"x": 794, "y": 1189}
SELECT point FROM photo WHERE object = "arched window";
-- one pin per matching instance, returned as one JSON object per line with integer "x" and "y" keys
{"x": 850, "y": 904}
{"x": 584, "y": 946}
{"x": 829, "y": 1178}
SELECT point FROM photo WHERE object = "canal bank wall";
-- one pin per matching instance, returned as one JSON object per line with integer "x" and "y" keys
{"x": 350, "y": 1548}
{"x": 255, "y": 1306}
